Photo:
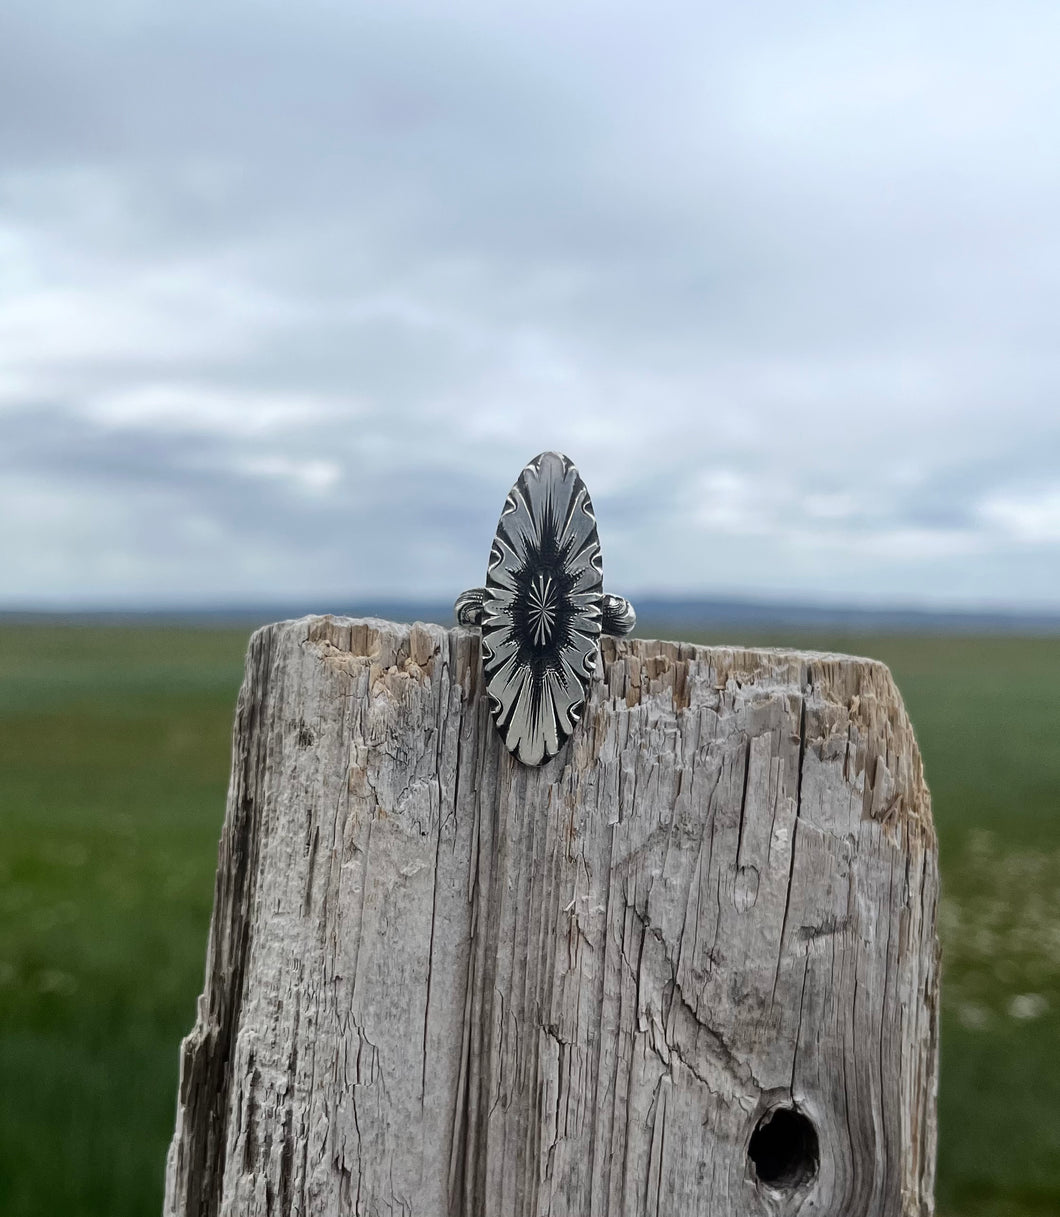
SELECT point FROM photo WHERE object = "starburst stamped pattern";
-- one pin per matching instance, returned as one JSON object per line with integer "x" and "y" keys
{"x": 542, "y": 608}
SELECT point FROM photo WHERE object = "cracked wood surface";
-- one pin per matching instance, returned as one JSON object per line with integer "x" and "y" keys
{"x": 441, "y": 983}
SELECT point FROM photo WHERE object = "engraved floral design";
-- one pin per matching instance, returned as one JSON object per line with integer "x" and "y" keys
{"x": 541, "y": 616}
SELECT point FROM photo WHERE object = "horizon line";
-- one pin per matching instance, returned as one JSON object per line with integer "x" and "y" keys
{"x": 658, "y": 608}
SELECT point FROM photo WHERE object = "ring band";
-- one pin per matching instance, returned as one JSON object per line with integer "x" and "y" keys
{"x": 618, "y": 615}
{"x": 543, "y": 609}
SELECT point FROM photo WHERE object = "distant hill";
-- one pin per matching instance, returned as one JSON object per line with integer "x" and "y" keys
{"x": 657, "y": 615}
{"x": 679, "y": 613}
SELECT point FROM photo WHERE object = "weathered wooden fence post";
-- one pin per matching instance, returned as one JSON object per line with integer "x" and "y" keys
{"x": 688, "y": 966}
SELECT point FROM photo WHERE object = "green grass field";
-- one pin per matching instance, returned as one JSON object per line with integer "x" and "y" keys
{"x": 114, "y": 750}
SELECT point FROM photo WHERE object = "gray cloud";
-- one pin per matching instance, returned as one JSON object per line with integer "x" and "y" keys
{"x": 290, "y": 295}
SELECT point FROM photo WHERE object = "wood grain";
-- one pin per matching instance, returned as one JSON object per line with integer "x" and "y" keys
{"x": 440, "y": 982}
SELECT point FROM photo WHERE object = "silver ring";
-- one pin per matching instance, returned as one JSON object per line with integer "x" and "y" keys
{"x": 543, "y": 609}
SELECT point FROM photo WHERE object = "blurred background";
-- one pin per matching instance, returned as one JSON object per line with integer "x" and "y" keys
{"x": 288, "y": 296}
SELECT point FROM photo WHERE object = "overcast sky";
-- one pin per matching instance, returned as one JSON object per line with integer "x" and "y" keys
{"x": 289, "y": 293}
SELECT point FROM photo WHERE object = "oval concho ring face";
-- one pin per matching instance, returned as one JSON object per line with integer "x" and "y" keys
{"x": 542, "y": 610}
